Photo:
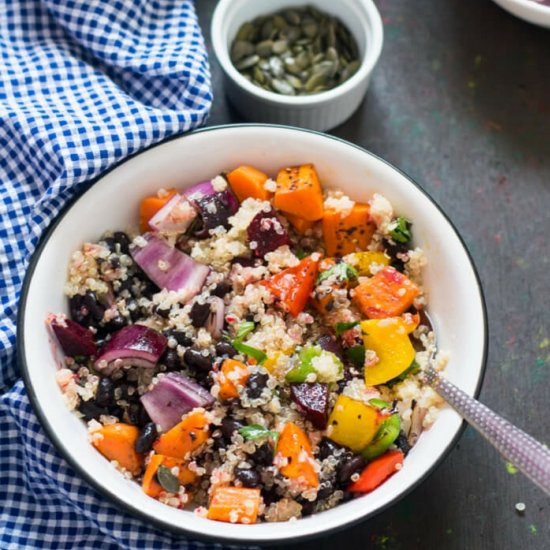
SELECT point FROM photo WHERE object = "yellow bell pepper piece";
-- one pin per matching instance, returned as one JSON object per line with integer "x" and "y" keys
{"x": 389, "y": 339}
{"x": 353, "y": 423}
{"x": 366, "y": 259}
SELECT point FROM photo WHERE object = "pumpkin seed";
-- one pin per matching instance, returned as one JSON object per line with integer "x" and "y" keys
{"x": 240, "y": 49}
{"x": 258, "y": 75}
{"x": 318, "y": 77}
{"x": 282, "y": 87}
{"x": 268, "y": 29}
{"x": 331, "y": 54}
{"x": 264, "y": 48}
{"x": 280, "y": 46}
{"x": 291, "y": 65}
{"x": 302, "y": 60}
{"x": 168, "y": 481}
{"x": 292, "y": 16}
{"x": 310, "y": 27}
{"x": 277, "y": 67}
{"x": 245, "y": 32}
{"x": 294, "y": 81}
{"x": 247, "y": 62}
{"x": 279, "y": 22}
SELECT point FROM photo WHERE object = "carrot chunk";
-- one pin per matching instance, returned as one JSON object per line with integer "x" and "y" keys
{"x": 118, "y": 443}
{"x": 346, "y": 234}
{"x": 377, "y": 471}
{"x": 293, "y": 285}
{"x": 294, "y": 446}
{"x": 152, "y": 487}
{"x": 299, "y": 192}
{"x": 232, "y": 373}
{"x": 389, "y": 293}
{"x": 300, "y": 224}
{"x": 185, "y": 437}
{"x": 247, "y": 181}
{"x": 234, "y": 505}
{"x": 149, "y": 206}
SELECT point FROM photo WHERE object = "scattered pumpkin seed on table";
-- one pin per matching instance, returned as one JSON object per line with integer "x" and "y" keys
{"x": 296, "y": 51}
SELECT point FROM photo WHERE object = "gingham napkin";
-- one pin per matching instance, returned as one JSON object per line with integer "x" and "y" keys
{"x": 83, "y": 83}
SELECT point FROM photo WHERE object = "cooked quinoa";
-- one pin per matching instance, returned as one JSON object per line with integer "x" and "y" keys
{"x": 271, "y": 336}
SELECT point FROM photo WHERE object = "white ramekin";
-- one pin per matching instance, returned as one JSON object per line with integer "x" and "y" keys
{"x": 528, "y": 10}
{"x": 320, "y": 111}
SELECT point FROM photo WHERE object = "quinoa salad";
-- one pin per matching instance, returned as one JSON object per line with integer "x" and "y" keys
{"x": 251, "y": 349}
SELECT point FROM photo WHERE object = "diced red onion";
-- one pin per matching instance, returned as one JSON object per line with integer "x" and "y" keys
{"x": 173, "y": 396}
{"x": 168, "y": 267}
{"x": 214, "y": 323}
{"x": 134, "y": 345}
{"x": 174, "y": 217}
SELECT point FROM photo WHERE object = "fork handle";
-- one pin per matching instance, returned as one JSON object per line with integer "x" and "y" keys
{"x": 517, "y": 447}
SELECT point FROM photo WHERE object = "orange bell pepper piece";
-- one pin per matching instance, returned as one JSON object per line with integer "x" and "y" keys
{"x": 293, "y": 285}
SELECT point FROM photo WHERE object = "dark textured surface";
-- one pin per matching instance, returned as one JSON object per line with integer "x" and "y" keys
{"x": 461, "y": 102}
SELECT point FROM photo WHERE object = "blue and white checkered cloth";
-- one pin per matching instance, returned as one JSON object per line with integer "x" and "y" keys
{"x": 83, "y": 83}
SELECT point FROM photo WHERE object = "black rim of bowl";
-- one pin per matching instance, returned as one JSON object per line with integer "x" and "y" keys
{"x": 136, "y": 512}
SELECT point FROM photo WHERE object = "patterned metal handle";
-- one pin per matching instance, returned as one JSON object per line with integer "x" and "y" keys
{"x": 526, "y": 453}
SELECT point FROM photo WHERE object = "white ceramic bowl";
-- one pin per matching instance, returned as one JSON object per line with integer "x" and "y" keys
{"x": 320, "y": 111}
{"x": 455, "y": 302}
{"x": 528, "y": 10}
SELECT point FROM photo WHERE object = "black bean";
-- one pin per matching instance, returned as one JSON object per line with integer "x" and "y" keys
{"x": 270, "y": 496}
{"x": 402, "y": 443}
{"x": 248, "y": 477}
{"x": 133, "y": 308}
{"x": 122, "y": 239}
{"x": 114, "y": 261}
{"x": 78, "y": 312}
{"x": 308, "y": 507}
{"x": 146, "y": 438}
{"x": 229, "y": 426}
{"x": 132, "y": 415}
{"x": 181, "y": 338}
{"x": 326, "y": 488}
{"x": 199, "y": 314}
{"x": 110, "y": 242}
{"x": 170, "y": 359}
{"x": 105, "y": 393}
{"x": 91, "y": 410}
{"x": 116, "y": 323}
{"x": 327, "y": 448}
{"x": 162, "y": 312}
{"x": 255, "y": 384}
{"x": 221, "y": 289}
{"x": 263, "y": 455}
{"x": 350, "y": 467}
{"x": 224, "y": 348}
{"x": 89, "y": 300}
{"x": 195, "y": 359}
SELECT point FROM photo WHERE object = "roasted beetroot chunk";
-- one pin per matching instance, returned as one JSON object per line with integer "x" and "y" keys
{"x": 312, "y": 402}
{"x": 267, "y": 232}
{"x": 134, "y": 345}
{"x": 72, "y": 337}
{"x": 214, "y": 207}
{"x": 330, "y": 343}
{"x": 173, "y": 396}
